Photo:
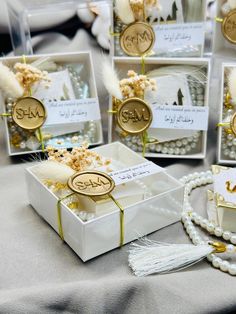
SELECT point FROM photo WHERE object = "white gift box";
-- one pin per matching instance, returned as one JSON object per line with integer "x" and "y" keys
{"x": 183, "y": 37}
{"x": 222, "y": 202}
{"x": 221, "y": 46}
{"x": 122, "y": 65}
{"x": 61, "y": 59}
{"x": 221, "y": 158}
{"x": 102, "y": 234}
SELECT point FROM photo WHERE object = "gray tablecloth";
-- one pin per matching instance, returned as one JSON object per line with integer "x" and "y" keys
{"x": 41, "y": 274}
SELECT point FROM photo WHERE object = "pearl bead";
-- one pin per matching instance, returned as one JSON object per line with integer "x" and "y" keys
{"x": 224, "y": 266}
{"x": 190, "y": 229}
{"x": 218, "y": 231}
{"x": 230, "y": 248}
{"x": 233, "y": 239}
{"x": 210, "y": 257}
{"x": 210, "y": 227}
{"x": 197, "y": 220}
{"x": 203, "y": 223}
{"x": 216, "y": 262}
{"x": 232, "y": 269}
{"x": 226, "y": 235}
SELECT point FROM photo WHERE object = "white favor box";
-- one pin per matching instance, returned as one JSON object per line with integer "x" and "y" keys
{"x": 122, "y": 65}
{"x": 221, "y": 159}
{"x": 102, "y": 234}
{"x": 221, "y": 46}
{"x": 171, "y": 52}
{"x": 60, "y": 58}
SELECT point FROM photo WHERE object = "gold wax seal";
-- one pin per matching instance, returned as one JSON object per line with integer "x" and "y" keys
{"x": 137, "y": 39}
{"x": 134, "y": 116}
{"x": 91, "y": 183}
{"x": 29, "y": 113}
{"x": 229, "y": 27}
{"x": 233, "y": 124}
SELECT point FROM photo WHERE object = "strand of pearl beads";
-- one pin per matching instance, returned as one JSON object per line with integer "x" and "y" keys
{"x": 189, "y": 218}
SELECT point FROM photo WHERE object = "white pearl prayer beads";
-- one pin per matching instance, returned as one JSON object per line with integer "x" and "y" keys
{"x": 189, "y": 218}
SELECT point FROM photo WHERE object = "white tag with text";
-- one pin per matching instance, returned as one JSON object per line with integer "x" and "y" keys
{"x": 135, "y": 172}
{"x": 179, "y": 117}
{"x": 173, "y": 37}
{"x": 72, "y": 111}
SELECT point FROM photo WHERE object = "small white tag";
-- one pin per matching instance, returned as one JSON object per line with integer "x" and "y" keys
{"x": 135, "y": 172}
{"x": 174, "y": 37}
{"x": 60, "y": 87}
{"x": 72, "y": 111}
{"x": 171, "y": 90}
{"x": 179, "y": 117}
{"x": 220, "y": 184}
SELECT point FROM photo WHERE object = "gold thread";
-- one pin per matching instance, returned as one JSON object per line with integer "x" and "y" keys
{"x": 5, "y": 115}
{"x": 219, "y": 19}
{"x": 121, "y": 219}
{"x": 59, "y": 220}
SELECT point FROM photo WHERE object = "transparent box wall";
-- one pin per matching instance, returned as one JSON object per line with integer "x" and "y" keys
{"x": 55, "y": 24}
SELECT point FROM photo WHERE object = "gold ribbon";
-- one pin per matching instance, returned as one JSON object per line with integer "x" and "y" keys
{"x": 5, "y": 115}
{"x": 41, "y": 139}
{"x": 59, "y": 219}
{"x": 122, "y": 214}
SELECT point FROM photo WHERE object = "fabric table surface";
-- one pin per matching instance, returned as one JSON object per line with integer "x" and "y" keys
{"x": 41, "y": 274}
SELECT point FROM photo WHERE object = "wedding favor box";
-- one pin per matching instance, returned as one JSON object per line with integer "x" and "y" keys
{"x": 221, "y": 157}
{"x": 102, "y": 234}
{"x": 85, "y": 107}
{"x": 179, "y": 27}
{"x": 221, "y": 46}
{"x": 199, "y": 114}
{"x": 222, "y": 200}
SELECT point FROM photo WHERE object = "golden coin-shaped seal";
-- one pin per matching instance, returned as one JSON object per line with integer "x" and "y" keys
{"x": 91, "y": 183}
{"x": 137, "y": 39}
{"x": 134, "y": 116}
{"x": 228, "y": 27}
{"x": 29, "y": 113}
{"x": 233, "y": 124}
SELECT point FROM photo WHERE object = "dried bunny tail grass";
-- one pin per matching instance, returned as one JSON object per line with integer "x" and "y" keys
{"x": 232, "y": 84}
{"x": 52, "y": 170}
{"x": 8, "y": 82}
{"x": 124, "y": 11}
{"x": 110, "y": 79}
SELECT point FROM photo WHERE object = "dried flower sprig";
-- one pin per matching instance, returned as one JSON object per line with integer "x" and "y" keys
{"x": 79, "y": 159}
{"x": 27, "y": 75}
{"x": 136, "y": 85}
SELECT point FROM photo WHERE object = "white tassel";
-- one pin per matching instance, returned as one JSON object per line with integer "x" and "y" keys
{"x": 52, "y": 170}
{"x": 111, "y": 80}
{"x": 232, "y": 84}
{"x": 155, "y": 258}
{"x": 9, "y": 84}
{"x": 124, "y": 11}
